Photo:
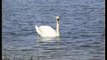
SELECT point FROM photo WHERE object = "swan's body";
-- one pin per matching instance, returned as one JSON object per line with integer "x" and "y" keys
{"x": 47, "y": 31}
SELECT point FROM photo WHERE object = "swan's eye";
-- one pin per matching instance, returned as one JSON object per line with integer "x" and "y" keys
{"x": 57, "y": 19}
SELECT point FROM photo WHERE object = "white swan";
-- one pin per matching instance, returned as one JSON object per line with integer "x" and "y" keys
{"x": 47, "y": 31}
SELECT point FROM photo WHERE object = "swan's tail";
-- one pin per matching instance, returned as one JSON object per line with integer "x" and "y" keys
{"x": 37, "y": 29}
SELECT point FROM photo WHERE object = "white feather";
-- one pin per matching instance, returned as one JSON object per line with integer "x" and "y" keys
{"x": 47, "y": 31}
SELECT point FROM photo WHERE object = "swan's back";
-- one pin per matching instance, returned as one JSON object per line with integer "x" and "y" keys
{"x": 46, "y": 31}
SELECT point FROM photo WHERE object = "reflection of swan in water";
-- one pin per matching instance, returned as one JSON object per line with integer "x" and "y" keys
{"x": 48, "y": 39}
{"x": 47, "y": 31}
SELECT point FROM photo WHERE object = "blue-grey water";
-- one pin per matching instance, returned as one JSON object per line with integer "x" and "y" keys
{"x": 81, "y": 29}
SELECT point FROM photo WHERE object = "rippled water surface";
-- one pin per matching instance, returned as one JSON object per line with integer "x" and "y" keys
{"x": 81, "y": 28}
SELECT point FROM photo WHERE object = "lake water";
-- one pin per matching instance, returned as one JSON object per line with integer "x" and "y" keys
{"x": 81, "y": 29}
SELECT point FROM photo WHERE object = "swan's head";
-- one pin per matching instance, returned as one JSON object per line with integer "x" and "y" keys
{"x": 57, "y": 18}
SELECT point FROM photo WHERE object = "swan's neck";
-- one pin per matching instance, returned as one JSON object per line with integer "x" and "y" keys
{"x": 57, "y": 28}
